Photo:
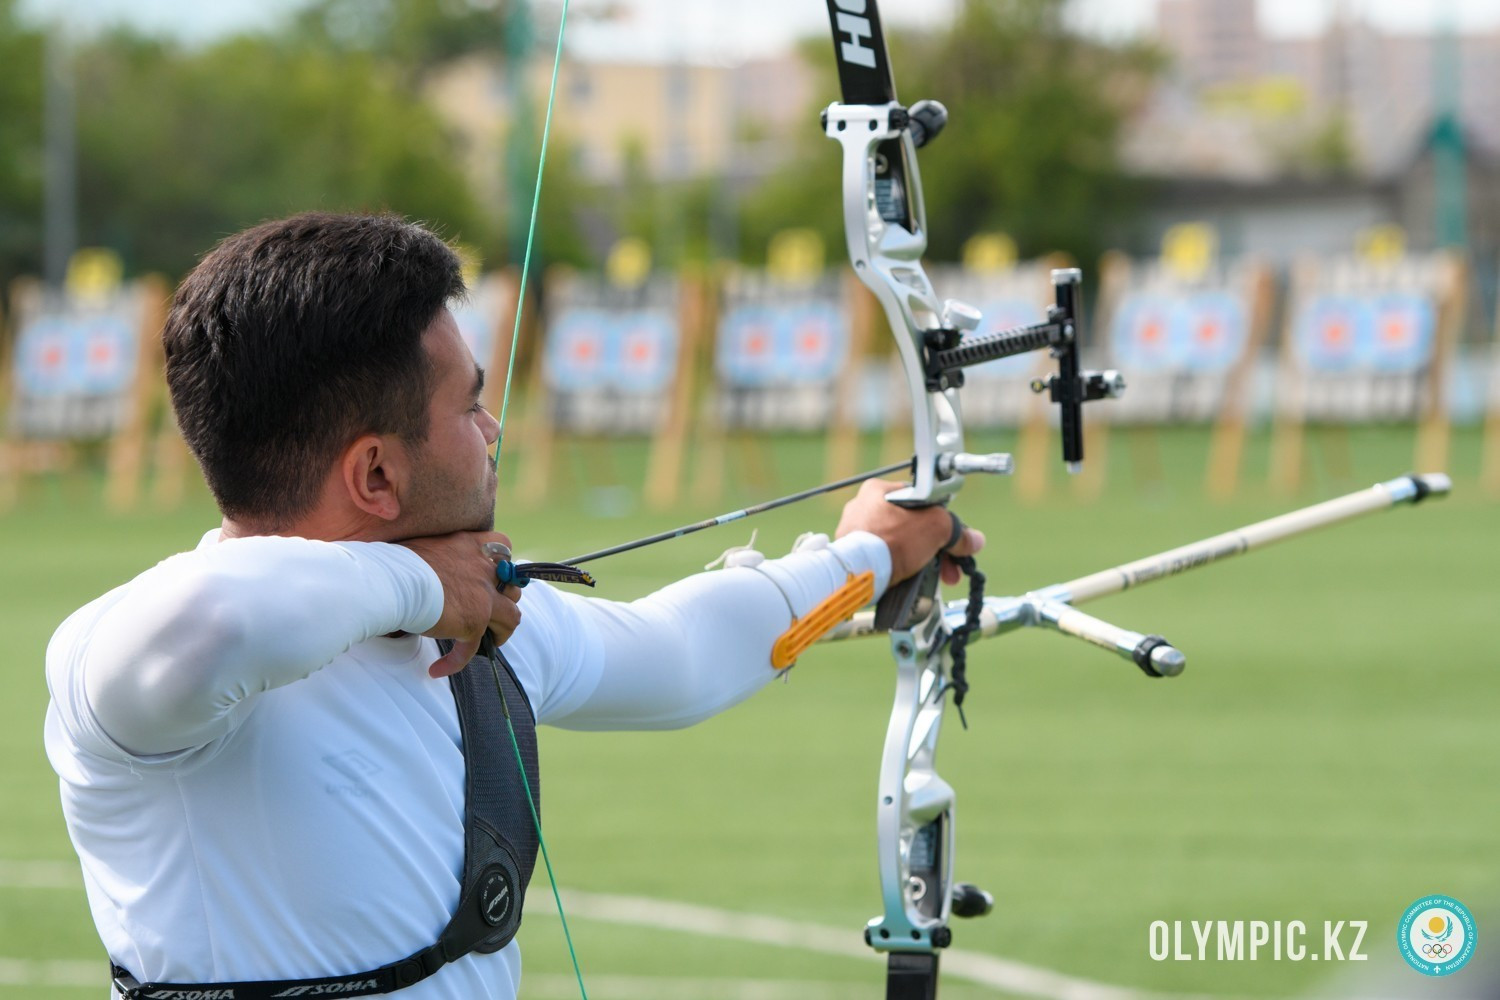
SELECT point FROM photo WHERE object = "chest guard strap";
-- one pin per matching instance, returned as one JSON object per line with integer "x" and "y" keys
{"x": 500, "y": 849}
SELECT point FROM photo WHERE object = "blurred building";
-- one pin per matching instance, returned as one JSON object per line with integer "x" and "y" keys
{"x": 1295, "y": 144}
{"x": 677, "y": 120}
{"x": 1214, "y": 41}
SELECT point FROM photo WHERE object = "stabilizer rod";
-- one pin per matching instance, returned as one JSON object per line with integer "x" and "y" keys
{"x": 1403, "y": 489}
{"x": 1053, "y": 607}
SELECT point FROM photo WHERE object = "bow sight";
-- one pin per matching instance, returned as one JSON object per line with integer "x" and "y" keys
{"x": 885, "y": 222}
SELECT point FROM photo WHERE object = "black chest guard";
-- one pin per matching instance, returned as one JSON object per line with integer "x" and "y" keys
{"x": 500, "y": 849}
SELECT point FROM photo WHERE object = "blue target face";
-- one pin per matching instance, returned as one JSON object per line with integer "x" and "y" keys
{"x": 580, "y": 346}
{"x": 1391, "y": 333}
{"x": 1404, "y": 332}
{"x": 1147, "y": 335}
{"x": 746, "y": 355}
{"x": 1333, "y": 333}
{"x": 591, "y": 350}
{"x": 798, "y": 344}
{"x": 82, "y": 355}
{"x": 645, "y": 356}
{"x": 1202, "y": 333}
{"x": 1215, "y": 331}
{"x": 813, "y": 333}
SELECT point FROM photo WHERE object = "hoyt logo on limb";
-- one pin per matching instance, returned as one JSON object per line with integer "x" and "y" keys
{"x": 850, "y": 21}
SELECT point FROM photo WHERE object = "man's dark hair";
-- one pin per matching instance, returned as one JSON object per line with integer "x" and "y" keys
{"x": 291, "y": 339}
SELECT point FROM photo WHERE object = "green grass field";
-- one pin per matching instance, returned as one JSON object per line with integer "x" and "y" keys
{"x": 1332, "y": 752}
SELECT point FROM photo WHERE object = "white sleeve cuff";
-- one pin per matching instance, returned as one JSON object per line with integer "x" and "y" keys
{"x": 806, "y": 578}
{"x": 412, "y": 587}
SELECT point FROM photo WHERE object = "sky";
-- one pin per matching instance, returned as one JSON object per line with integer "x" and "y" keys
{"x": 728, "y": 30}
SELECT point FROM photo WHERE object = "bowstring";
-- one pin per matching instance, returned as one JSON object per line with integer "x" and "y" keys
{"x": 510, "y": 370}
{"x": 536, "y": 202}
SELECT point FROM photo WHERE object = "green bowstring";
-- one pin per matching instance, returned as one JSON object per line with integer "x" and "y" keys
{"x": 510, "y": 369}
{"x": 536, "y": 819}
{"x": 536, "y": 203}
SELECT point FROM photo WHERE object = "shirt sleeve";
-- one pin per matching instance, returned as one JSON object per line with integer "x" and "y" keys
{"x": 173, "y": 660}
{"x": 687, "y": 651}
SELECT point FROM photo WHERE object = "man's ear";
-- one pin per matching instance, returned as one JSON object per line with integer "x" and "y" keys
{"x": 373, "y": 473}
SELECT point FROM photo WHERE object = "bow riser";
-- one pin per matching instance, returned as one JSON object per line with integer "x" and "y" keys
{"x": 885, "y": 225}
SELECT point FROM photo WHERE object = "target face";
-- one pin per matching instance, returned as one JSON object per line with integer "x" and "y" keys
{"x": 646, "y": 356}
{"x": 579, "y": 349}
{"x": 1404, "y": 332}
{"x": 764, "y": 345}
{"x": 83, "y": 355}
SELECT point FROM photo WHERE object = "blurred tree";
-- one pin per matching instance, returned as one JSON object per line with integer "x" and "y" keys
{"x": 179, "y": 148}
{"x": 1031, "y": 149}
{"x": 1323, "y": 147}
{"x": 675, "y": 218}
{"x": 21, "y": 57}
{"x": 415, "y": 35}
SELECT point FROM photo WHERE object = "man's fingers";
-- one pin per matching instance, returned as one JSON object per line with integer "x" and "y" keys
{"x": 505, "y": 615}
{"x": 458, "y": 657}
{"x": 881, "y": 486}
{"x": 970, "y": 541}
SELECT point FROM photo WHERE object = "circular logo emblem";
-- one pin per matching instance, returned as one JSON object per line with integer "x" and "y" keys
{"x": 1436, "y": 935}
{"x": 496, "y": 897}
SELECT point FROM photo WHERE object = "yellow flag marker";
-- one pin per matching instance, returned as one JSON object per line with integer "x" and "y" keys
{"x": 837, "y": 607}
{"x": 1383, "y": 244}
{"x": 1189, "y": 248}
{"x": 94, "y": 274}
{"x": 795, "y": 256}
{"x": 629, "y": 263}
{"x": 990, "y": 253}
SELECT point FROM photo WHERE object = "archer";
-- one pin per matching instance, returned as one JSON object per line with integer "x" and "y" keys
{"x": 279, "y": 783}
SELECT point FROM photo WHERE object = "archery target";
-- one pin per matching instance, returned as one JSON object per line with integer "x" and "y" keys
{"x": 647, "y": 352}
{"x": 106, "y": 347}
{"x": 747, "y": 347}
{"x": 1149, "y": 334}
{"x": 579, "y": 350}
{"x": 1333, "y": 333}
{"x": 1215, "y": 332}
{"x": 1404, "y": 330}
{"x": 42, "y": 358}
{"x": 89, "y": 355}
{"x": 815, "y": 343}
{"x": 766, "y": 345}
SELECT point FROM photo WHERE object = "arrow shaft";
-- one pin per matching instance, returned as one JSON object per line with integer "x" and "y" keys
{"x": 737, "y": 515}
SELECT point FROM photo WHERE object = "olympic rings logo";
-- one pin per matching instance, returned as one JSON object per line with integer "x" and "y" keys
{"x": 1438, "y": 950}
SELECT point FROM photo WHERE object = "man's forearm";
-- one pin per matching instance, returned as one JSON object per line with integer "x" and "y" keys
{"x": 698, "y": 646}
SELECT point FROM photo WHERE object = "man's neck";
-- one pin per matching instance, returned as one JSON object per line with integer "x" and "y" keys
{"x": 317, "y": 527}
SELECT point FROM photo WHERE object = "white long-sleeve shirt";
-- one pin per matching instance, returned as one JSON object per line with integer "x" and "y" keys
{"x": 260, "y": 785}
